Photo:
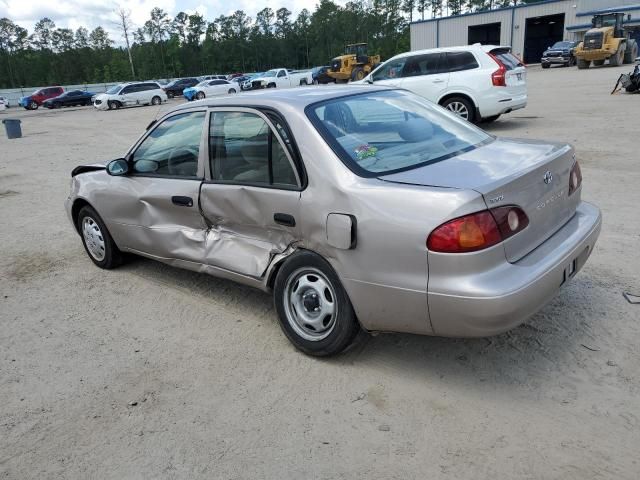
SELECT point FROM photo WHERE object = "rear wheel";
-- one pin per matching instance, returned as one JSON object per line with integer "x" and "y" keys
{"x": 583, "y": 64}
{"x": 313, "y": 308}
{"x": 97, "y": 240}
{"x": 33, "y": 106}
{"x": 631, "y": 52}
{"x": 200, "y": 95}
{"x": 357, "y": 74}
{"x": 156, "y": 100}
{"x": 461, "y": 107}
{"x": 57, "y": 105}
{"x": 303, "y": 82}
{"x": 618, "y": 57}
{"x": 232, "y": 90}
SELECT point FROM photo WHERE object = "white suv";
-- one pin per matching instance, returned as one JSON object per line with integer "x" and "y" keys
{"x": 128, "y": 94}
{"x": 477, "y": 82}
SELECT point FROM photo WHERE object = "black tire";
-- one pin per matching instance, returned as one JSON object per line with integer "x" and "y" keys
{"x": 631, "y": 52}
{"x": 112, "y": 255}
{"x": 316, "y": 81}
{"x": 617, "y": 58}
{"x": 342, "y": 326}
{"x": 583, "y": 64}
{"x": 33, "y": 106}
{"x": 303, "y": 82}
{"x": 231, "y": 91}
{"x": 490, "y": 119}
{"x": 271, "y": 85}
{"x": 357, "y": 74}
{"x": 451, "y": 104}
{"x": 598, "y": 63}
{"x": 156, "y": 100}
{"x": 545, "y": 65}
{"x": 114, "y": 104}
{"x": 57, "y": 105}
{"x": 200, "y": 95}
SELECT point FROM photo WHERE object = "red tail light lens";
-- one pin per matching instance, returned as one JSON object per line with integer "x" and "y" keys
{"x": 575, "y": 178}
{"x": 498, "y": 78}
{"x": 477, "y": 231}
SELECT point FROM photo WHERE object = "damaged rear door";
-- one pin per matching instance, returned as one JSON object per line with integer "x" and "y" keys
{"x": 251, "y": 202}
{"x": 154, "y": 209}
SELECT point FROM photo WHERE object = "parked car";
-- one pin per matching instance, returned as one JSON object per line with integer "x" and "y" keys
{"x": 37, "y": 98}
{"x": 357, "y": 207}
{"x": 175, "y": 88}
{"x": 476, "y": 82}
{"x": 320, "y": 75}
{"x": 212, "y": 77}
{"x": 561, "y": 53}
{"x": 240, "y": 80}
{"x": 247, "y": 85}
{"x": 130, "y": 94}
{"x": 5, "y": 102}
{"x": 69, "y": 99}
{"x": 210, "y": 88}
{"x": 282, "y": 78}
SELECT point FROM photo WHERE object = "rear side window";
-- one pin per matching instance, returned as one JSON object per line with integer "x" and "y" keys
{"x": 509, "y": 60}
{"x": 458, "y": 61}
{"x": 427, "y": 64}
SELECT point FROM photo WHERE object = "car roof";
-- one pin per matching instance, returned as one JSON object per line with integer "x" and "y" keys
{"x": 462, "y": 48}
{"x": 298, "y": 97}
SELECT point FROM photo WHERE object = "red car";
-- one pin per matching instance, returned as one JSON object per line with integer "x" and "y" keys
{"x": 37, "y": 98}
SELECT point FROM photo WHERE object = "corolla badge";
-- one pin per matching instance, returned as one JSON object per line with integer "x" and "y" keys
{"x": 547, "y": 177}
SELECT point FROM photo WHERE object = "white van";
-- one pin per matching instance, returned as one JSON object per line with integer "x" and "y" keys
{"x": 477, "y": 82}
{"x": 129, "y": 94}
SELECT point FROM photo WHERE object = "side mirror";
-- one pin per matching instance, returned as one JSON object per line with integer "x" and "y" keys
{"x": 368, "y": 79}
{"x": 118, "y": 167}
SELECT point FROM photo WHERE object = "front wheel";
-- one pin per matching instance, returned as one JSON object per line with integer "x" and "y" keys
{"x": 583, "y": 64}
{"x": 97, "y": 240}
{"x": 461, "y": 107}
{"x": 313, "y": 308}
{"x": 200, "y": 95}
{"x": 33, "y": 106}
{"x": 156, "y": 100}
{"x": 231, "y": 91}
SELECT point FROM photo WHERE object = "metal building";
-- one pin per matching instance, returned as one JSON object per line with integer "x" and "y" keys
{"x": 528, "y": 29}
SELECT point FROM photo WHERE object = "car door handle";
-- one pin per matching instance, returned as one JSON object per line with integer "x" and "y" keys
{"x": 182, "y": 201}
{"x": 284, "y": 219}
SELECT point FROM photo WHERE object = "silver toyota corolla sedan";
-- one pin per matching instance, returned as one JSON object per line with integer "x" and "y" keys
{"x": 358, "y": 207}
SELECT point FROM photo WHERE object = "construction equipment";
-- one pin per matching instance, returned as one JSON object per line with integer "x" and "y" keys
{"x": 629, "y": 81}
{"x": 607, "y": 39}
{"x": 354, "y": 64}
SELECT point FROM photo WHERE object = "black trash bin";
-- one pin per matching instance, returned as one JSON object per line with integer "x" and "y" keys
{"x": 12, "y": 127}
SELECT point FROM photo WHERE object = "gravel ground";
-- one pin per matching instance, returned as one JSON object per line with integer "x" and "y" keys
{"x": 147, "y": 371}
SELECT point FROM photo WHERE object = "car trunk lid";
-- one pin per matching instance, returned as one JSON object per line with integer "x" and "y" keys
{"x": 531, "y": 175}
{"x": 515, "y": 73}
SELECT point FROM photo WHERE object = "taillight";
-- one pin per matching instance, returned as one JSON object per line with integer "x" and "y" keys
{"x": 477, "y": 231}
{"x": 575, "y": 178}
{"x": 498, "y": 78}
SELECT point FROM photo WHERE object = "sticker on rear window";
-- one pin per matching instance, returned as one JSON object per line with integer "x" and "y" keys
{"x": 365, "y": 151}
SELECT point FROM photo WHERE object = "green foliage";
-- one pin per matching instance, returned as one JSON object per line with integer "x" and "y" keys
{"x": 189, "y": 45}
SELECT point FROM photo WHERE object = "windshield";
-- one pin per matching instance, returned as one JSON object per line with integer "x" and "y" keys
{"x": 270, "y": 73}
{"x": 114, "y": 89}
{"x": 563, "y": 45}
{"x": 390, "y": 131}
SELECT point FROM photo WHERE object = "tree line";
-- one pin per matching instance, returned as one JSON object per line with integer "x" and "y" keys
{"x": 188, "y": 44}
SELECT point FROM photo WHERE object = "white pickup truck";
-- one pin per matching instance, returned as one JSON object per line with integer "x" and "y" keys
{"x": 282, "y": 78}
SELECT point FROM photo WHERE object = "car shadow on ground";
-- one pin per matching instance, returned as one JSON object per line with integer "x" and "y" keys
{"x": 550, "y": 342}
{"x": 507, "y": 124}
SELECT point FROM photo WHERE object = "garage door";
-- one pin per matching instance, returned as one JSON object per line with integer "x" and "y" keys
{"x": 540, "y": 33}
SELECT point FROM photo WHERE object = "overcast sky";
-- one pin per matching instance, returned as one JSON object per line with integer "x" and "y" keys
{"x": 91, "y": 13}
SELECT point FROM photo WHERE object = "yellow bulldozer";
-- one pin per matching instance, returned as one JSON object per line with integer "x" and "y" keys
{"x": 606, "y": 40}
{"x": 354, "y": 64}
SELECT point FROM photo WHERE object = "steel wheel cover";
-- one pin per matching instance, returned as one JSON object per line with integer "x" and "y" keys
{"x": 310, "y": 304}
{"x": 93, "y": 238}
{"x": 459, "y": 109}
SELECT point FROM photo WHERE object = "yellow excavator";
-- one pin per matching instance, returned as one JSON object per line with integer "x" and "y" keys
{"x": 606, "y": 40}
{"x": 354, "y": 64}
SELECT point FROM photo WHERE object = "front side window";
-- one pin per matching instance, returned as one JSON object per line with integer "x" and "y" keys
{"x": 244, "y": 149}
{"x": 390, "y": 131}
{"x": 389, "y": 70}
{"x": 172, "y": 148}
{"x": 418, "y": 65}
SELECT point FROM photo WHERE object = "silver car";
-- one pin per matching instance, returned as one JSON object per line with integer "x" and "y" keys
{"x": 358, "y": 207}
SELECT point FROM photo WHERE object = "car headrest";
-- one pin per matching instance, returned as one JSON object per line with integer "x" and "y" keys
{"x": 416, "y": 130}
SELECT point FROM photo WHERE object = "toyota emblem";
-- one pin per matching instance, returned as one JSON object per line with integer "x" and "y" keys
{"x": 547, "y": 177}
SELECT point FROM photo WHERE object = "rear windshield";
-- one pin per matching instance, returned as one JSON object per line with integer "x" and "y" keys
{"x": 390, "y": 131}
{"x": 509, "y": 60}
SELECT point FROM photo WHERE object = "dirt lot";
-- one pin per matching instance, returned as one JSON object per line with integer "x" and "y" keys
{"x": 221, "y": 393}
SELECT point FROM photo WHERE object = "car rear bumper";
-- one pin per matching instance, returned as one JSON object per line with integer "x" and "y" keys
{"x": 501, "y": 103}
{"x": 498, "y": 300}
